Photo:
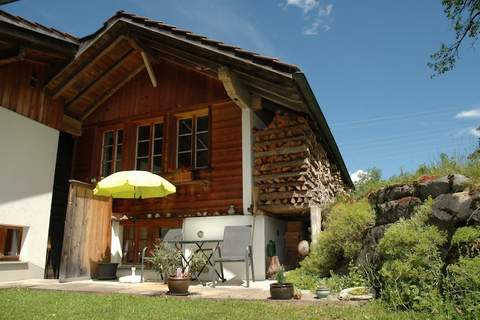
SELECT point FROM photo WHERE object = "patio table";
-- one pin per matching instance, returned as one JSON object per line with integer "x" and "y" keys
{"x": 205, "y": 251}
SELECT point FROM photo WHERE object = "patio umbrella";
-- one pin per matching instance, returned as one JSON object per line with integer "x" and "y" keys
{"x": 134, "y": 185}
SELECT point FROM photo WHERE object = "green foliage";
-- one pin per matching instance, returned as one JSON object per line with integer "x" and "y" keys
{"x": 371, "y": 180}
{"x": 354, "y": 278}
{"x": 445, "y": 165}
{"x": 302, "y": 279}
{"x": 280, "y": 276}
{"x": 412, "y": 269}
{"x": 467, "y": 241}
{"x": 465, "y": 17}
{"x": 462, "y": 287}
{"x": 341, "y": 240}
{"x": 165, "y": 259}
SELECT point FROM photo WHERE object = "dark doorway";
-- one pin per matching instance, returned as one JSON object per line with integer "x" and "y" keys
{"x": 63, "y": 168}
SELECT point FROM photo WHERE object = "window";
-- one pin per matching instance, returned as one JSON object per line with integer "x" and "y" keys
{"x": 112, "y": 152}
{"x": 149, "y": 153}
{"x": 193, "y": 142}
{"x": 10, "y": 243}
{"x": 137, "y": 237}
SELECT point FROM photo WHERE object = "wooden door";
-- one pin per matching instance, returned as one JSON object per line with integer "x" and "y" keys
{"x": 87, "y": 236}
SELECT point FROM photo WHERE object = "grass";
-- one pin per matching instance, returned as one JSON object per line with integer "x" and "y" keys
{"x": 34, "y": 304}
{"x": 445, "y": 165}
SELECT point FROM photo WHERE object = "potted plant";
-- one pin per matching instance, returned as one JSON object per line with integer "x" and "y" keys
{"x": 167, "y": 261}
{"x": 107, "y": 270}
{"x": 322, "y": 291}
{"x": 280, "y": 289}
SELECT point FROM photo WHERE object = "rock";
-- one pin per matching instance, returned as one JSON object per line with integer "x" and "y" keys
{"x": 392, "y": 211}
{"x": 456, "y": 207}
{"x": 393, "y": 192}
{"x": 458, "y": 182}
{"x": 368, "y": 254}
{"x": 352, "y": 294}
{"x": 433, "y": 188}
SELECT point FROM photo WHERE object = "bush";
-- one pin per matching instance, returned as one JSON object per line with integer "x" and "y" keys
{"x": 354, "y": 278}
{"x": 462, "y": 287}
{"x": 467, "y": 241}
{"x": 303, "y": 279}
{"x": 342, "y": 239}
{"x": 412, "y": 269}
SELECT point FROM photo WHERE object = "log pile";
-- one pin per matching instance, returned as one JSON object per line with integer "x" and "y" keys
{"x": 292, "y": 169}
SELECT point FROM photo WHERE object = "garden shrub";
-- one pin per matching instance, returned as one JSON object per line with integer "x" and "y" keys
{"x": 462, "y": 287}
{"x": 411, "y": 273}
{"x": 341, "y": 240}
{"x": 467, "y": 241}
{"x": 354, "y": 278}
{"x": 303, "y": 279}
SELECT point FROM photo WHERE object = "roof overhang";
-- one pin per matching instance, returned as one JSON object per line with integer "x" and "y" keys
{"x": 129, "y": 46}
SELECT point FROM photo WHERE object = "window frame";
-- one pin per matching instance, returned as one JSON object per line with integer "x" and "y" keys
{"x": 151, "y": 144}
{"x": 115, "y": 145}
{"x": 193, "y": 149}
{"x": 20, "y": 244}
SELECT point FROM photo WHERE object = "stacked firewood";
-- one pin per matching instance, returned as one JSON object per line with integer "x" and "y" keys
{"x": 292, "y": 169}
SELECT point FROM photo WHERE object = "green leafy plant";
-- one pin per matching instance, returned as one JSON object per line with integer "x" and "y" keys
{"x": 303, "y": 279}
{"x": 342, "y": 239}
{"x": 280, "y": 276}
{"x": 411, "y": 273}
{"x": 166, "y": 259}
{"x": 462, "y": 287}
{"x": 467, "y": 241}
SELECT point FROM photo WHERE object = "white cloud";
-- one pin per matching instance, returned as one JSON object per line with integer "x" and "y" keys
{"x": 474, "y": 132}
{"x": 305, "y": 5}
{"x": 357, "y": 175}
{"x": 325, "y": 10}
{"x": 320, "y": 20}
{"x": 473, "y": 113}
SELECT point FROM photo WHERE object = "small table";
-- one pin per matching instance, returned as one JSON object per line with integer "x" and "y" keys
{"x": 199, "y": 244}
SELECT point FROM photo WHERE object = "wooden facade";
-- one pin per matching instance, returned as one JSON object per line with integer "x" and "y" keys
{"x": 180, "y": 92}
{"x": 21, "y": 90}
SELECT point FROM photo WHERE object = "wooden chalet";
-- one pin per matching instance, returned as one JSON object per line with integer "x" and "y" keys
{"x": 238, "y": 133}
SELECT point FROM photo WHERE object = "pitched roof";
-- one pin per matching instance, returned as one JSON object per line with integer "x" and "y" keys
{"x": 37, "y": 27}
{"x": 253, "y": 57}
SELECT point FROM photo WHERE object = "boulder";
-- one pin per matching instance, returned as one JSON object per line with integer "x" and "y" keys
{"x": 369, "y": 254}
{"x": 433, "y": 188}
{"x": 458, "y": 182}
{"x": 393, "y": 192}
{"x": 456, "y": 207}
{"x": 392, "y": 211}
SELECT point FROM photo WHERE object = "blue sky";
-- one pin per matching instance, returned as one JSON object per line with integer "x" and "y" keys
{"x": 366, "y": 61}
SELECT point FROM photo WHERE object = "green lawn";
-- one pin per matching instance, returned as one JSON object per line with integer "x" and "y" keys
{"x": 32, "y": 304}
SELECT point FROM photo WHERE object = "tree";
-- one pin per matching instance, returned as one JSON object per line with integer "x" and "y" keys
{"x": 465, "y": 16}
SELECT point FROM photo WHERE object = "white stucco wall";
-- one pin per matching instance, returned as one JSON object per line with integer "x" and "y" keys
{"x": 27, "y": 167}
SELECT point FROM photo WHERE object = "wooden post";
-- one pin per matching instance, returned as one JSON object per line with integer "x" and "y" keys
{"x": 315, "y": 222}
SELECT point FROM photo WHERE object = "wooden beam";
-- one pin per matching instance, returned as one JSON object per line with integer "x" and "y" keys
{"x": 234, "y": 87}
{"x": 111, "y": 92}
{"x": 57, "y": 91}
{"x": 146, "y": 60}
{"x": 12, "y": 55}
{"x": 102, "y": 76}
{"x": 151, "y": 72}
{"x": 72, "y": 126}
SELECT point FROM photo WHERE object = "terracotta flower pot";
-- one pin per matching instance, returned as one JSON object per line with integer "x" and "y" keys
{"x": 281, "y": 291}
{"x": 178, "y": 286}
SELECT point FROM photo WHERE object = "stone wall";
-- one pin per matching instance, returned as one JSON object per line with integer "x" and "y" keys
{"x": 454, "y": 205}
